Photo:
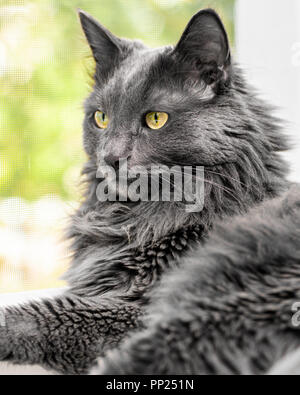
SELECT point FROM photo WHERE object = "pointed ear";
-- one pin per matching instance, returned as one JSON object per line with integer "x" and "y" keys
{"x": 106, "y": 47}
{"x": 204, "y": 45}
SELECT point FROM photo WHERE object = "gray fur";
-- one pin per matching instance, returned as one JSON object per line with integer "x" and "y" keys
{"x": 228, "y": 309}
{"x": 122, "y": 251}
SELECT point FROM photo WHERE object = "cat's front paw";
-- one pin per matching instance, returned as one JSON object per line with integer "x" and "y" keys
{"x": 142, "y": 354}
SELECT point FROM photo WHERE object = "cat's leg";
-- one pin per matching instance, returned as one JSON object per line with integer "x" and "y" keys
{"x": 178, "y": 347}
{"x": 228, "y": 309}
{"x": 206, "y": 338}
{"x": 64, "y": 334}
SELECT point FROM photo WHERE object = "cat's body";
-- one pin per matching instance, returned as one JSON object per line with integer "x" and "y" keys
{"x": 229, "y": 309}
{"x": 122, "y": 251}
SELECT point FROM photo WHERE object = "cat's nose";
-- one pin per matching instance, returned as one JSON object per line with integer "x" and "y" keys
{"x": 116, "y": 150}
{"x": 115, "y": 157}
{"x": 113, "y": 160}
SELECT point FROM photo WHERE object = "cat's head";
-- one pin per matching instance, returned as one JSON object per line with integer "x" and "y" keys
{"x": 182, "y": 105}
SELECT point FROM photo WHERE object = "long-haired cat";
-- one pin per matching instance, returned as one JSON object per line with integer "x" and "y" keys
{"x": 154, "y": 288}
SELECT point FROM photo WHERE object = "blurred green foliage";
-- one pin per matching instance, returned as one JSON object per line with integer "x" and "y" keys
{"x": 43, "y": 81}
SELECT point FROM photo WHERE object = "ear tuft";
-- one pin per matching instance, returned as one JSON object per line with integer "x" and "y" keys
{"x": 205, "y": 46}
{"x": 105, "y": 46}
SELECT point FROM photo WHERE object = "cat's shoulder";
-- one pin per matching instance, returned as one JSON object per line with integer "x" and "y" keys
{"x": 266, "y": 235}
{"x": 283, "y": 209}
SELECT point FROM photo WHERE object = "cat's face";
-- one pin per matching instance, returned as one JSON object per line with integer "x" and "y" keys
{"x": 181, "y": 105}
{"x": 169, "y": 87}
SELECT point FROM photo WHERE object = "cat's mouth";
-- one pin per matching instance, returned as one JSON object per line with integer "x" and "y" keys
{"x": 158, "y": 183}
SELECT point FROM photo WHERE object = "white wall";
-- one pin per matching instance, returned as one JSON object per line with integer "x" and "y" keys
{"x": 268, "y": 47}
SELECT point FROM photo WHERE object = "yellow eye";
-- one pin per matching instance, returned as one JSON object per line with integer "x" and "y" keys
{"x": 156, "y": 120}
{"x": 101, "y": 119}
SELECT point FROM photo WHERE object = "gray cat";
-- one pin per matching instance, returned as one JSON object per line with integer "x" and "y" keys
{"x": 170, "y": 291}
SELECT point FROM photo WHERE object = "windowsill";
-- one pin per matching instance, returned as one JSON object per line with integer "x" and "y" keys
{"x": 23, "y": 297}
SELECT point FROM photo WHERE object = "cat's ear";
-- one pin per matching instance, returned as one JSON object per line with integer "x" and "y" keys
{"x": 204, "y": 46}
{"x": 106, "y": 47}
